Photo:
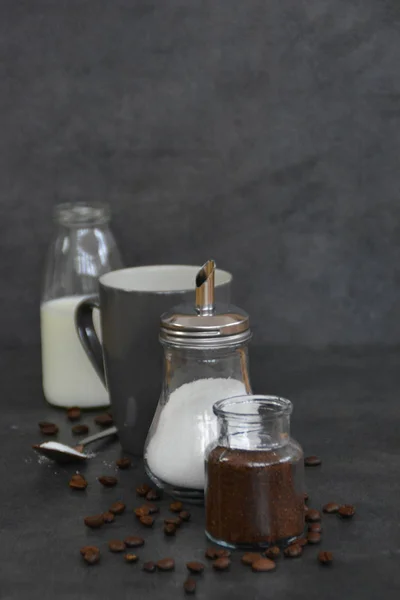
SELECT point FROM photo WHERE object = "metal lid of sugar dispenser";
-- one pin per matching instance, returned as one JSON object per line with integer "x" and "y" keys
{"x": 207, "y": 324}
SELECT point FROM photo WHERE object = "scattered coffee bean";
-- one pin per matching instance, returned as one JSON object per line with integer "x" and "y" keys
{"x": 248, "y": 558}
{"x": 189, "y": 586}
{"x": 176, "y": 507}
{"x": 94, "y": 522}
{"x": 90, "y": 554}
{"x": 131, "y": 558}
{"x": 211, "y": 553}
{"x": 302, "y": 542}
{"x": 312, "y": 515}
{"x": 152, "y": 495}
{"x": 306, "y": 497}
{"x": 331, "y": 507}
{"x": 315, "y": 527}
{"x": 293, "y": 551}
{"x": 78, "y": 482}
{"x": 133, "y": 541}
{"x": 153, "y": 508}
{"x": 185, "y": 515}
{"x": 104, "y": 420}
{"x": 48, "y": 428}
{"x": 313, "y": 537}
{"x": 347, "y": 511}
{"x": 222, "y": 553}
{"x": 147, "y": 521}
{"x": 195, "y": 567}
{"x": 74, "y": 413}
{"x": 263, "y": 565}
{"x": 117, "y": 508}
{"x": 116, "y": 546}
{"x": 123, "y": 463}
{"x": 221, "y": 564}
{"x": 142, "y": 511}
{"x": 149, "y": 567}
{"x": 312, "y": 461}
{"x": 80, "y": 429}
{"x": 108, "y": 517}
{"x": 142, "y": 490}
{"x": 176, "y": 522}
{"x": 273, "y": 553}
{"x": 325, "y": 557}
{"x": 170, "y": 529}
{"x": 108, "y": 481}
{"x": 166, "y": 564}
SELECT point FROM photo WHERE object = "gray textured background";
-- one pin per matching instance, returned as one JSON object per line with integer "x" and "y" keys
{"x": 263, "y": 134}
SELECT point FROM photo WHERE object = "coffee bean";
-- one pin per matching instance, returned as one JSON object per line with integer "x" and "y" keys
{"x": 131, "y": 558}
{"x": 108, "y": 517}
{"x": 302, "y": 542}
{"x": 142, "y": 490}
{"x": 94, "y": 522}
{"x": 185, "y": 515}
{"x": 80, "y": 429}
{"x": 347, "y": 511}
{"x": 48, "y": 428}
{"x": 315, "y": 527}
{"x": 189, "y": 586}
{"x": 222, "y": 553}
{"x": 313, "y": 537}
{"x": 90, "y": 554}
{"x": 211, "y": 553}
{"x": 166, "y": 564}
{"x": 176, "y": 522}
{"x": 263, "y": 565}
{"x": 325, "y": 557}
{"x": 331, "y": 507}
{"x": 170, "y": 529}
{"x": 133, "y": 541}
{"x": 176, "y": 507}
{"x": 221, "y": 564}
{"x": 195, "y": 567}
{"x": 153, "y": 508}
{"x": 273, "y": 553}
{"x": 117, "y": 508}
{"x": 116, "y": 546}
{"x": 74, "y": 413}
{"x": 248, "y": 558}
{"x": 152, "y": 495}
{"x": 123, "y": 463}
{"x": 306, "y": 497}
{"x": 312, "y": 515}
{"x": 108, "y": 481}
{"x": 293, "y": 551}
{"x": 147, "y": 521}
{"x": 149, "y": 567}
{"x": 78, "y": 482}
{"x": 104, "y": 420}
{"x": 312, "y": 461}
{"x": 142, "y": 511}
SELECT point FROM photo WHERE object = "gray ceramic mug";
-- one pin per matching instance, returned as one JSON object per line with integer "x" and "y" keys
{"x": 128, "y": 359}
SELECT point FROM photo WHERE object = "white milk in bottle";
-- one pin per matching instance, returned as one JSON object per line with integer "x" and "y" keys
{"x": 69, "y": 379}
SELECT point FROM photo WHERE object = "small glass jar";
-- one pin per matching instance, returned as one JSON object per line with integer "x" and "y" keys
{"x": 205, "y": 358}
{"x": 254, "y": 475}
{"x": 83, "y": 248}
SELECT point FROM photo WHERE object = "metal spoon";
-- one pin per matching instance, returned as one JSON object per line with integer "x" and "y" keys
{"x": 64, "y": 453}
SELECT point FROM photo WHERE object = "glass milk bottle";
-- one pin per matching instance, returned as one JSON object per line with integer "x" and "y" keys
{"x": 205, "y": 360}
{"x": 83, "y": 248}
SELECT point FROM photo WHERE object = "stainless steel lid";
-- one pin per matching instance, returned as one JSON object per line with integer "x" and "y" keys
{"x": 206, "y": 324}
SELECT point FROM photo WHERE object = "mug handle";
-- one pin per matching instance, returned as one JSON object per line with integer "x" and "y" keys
{"x": 88, "y": 336}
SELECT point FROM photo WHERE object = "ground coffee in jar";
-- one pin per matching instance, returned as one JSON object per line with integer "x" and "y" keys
{"x": 255, "y": 475}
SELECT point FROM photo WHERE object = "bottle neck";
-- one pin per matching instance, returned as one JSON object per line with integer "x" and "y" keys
{"x": 81, "y": 215}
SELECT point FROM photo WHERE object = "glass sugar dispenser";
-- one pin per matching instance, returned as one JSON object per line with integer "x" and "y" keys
{"x": 205, "y": 360}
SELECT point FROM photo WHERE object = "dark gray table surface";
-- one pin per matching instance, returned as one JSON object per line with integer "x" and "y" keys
{"x": 346, "y": 410}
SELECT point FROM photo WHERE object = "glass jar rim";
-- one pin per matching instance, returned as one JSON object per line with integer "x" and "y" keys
{"x": 77, "y": 214}
{"x": 275, "y": 406}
